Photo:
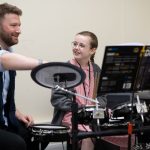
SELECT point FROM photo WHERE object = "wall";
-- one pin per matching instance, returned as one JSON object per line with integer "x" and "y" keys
{"x": 48, "y": 28}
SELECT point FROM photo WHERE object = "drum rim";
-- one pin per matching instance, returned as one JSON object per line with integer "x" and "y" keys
{"x": 44, "y": 124}
{"x": 119, "y": 106}
{"x": 60, "y": 64}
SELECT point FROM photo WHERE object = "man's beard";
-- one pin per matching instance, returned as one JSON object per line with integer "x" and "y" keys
{"x": 6, "y": 38}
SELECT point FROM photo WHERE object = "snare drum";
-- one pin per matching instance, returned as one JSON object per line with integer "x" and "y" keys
{"x": 49, "y": 132}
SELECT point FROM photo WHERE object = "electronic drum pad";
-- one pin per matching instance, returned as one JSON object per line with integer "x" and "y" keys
{"x": 51, "y": 74}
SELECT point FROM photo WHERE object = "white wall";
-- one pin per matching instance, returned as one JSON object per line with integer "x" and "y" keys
{"x": 49, "y": 26}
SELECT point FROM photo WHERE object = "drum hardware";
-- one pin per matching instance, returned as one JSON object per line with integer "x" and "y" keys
{"x": 75, "y": 114}
{"x": 62, "y": 76}
{"x": 57, "y": 87}
{"x": 48, "y": 132}
{"x": 121, "y": 114}
{"x": 116, "y": 119}
{"x": 138, "y": 112}
{"x": 141, "y": 108}
{"x": 89, "y": 113}
{"x": 98, "y": 113}
{"x": 123, "y": 110}
{"x": 56, "y": 75}
{"x": 115, "y": 125}
{"x": 41, "y": 130}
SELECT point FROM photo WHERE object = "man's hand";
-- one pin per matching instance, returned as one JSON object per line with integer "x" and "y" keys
{"x": 27, "y": 119}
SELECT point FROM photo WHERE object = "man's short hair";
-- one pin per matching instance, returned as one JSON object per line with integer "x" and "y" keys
{"x": 6, "y": 8}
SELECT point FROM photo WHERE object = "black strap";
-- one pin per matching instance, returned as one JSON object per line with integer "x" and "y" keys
{"x": 86, "y": 94}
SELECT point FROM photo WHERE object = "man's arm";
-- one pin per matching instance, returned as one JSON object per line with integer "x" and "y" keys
{"x": 13, "y": 61}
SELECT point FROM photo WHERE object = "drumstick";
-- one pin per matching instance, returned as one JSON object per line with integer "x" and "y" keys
{"x": 96, "y": 82}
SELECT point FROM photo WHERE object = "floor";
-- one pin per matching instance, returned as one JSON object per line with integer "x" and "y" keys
{"x": 56, "y": 146}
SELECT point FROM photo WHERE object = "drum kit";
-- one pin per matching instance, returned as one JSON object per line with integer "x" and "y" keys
{"x": 62, "y": 76}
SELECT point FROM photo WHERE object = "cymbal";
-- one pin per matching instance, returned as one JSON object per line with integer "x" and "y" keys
{"x": 63, "y": 74}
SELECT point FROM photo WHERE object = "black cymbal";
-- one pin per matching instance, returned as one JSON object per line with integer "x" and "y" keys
{"x": 51, "y": 74}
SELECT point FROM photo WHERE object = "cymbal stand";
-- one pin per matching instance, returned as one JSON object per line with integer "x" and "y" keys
{"x": 97, "y": 116}
{"x": 74, "y": 119}
{"x": 57, "y": 87}
{"x": 98, "y": 121}
{"x": 130, "y": 124}
{"x": 141, "y": 108}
